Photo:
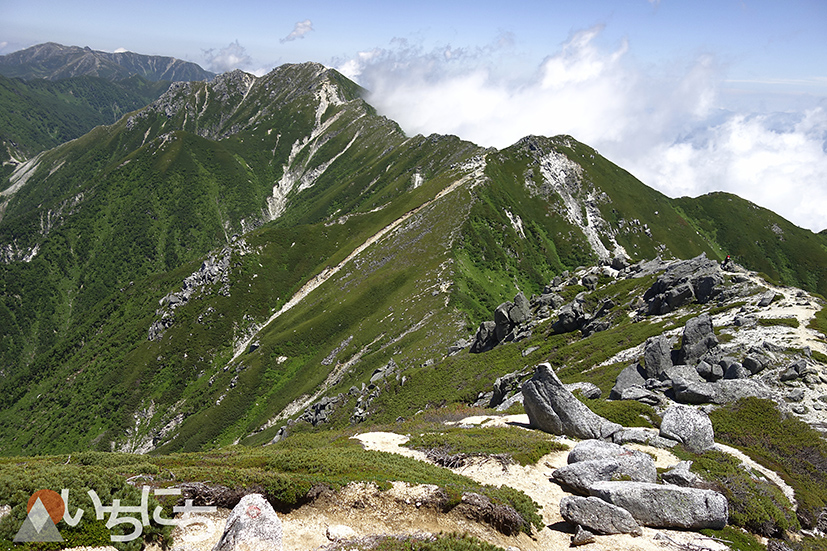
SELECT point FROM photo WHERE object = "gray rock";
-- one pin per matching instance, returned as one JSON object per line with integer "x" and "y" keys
{"x": 796, "y": 395}
{"x": 552, "y": 408}
{"x": 699, "y": 393}
{"x": 648, "y": 437}
{"x": 550, "y": 299}
{"x": 789, "y": 374}
{"x": 657, "y": 356}
{"x": 587, "y": 390}
{"x": 620, "y": 263}
{"x": 682, "y": 282}
{"x": 821, "y": 521}
{"x": 680, "y": 475}
{"x": 778, "y": 545}
{"x": 504, "y": 385}
{"x": 698, "y": 339}
{"x": 581, "y": 537}
{"x": 251, "y": 526}
{"x": 486, "y": 338}
{"x": 728, "y": 391}
{"x": 580, "y": 476}
{"x": 666, "y": 506}
{"x": 590, "y": 282}
{"x": 570, "y": 318}
{"x": 641, "y": 395}
{"x": 633, "y": 375}
{"x": 710, "y": 372}
{"x": 745, "y": 321}
{"x": 677, "y": 297}
{"x": 521, "y": 310}
{"x": 736, "y": 371}
{"x": 589, "y": 450}
{"x": 689, "y": 426}
{"x": 515, "y": 399}
{"x": 766, "y": 299}
{"x": 681, "y": 376}
{"x": 595, "y": 326}
{"x": 799, "y": 366}
{"x": 598, "y": 515}
{"x": 755, "y": 363}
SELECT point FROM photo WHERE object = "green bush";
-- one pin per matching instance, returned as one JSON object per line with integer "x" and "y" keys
{"x": 443, "y": 542}
{"x": 628, "y": 413}
{"x": 524, "y": 447}
{"x": 772, "y": 322}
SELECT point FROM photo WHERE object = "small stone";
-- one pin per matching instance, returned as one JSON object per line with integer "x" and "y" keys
{"x": 796, "y": 395}
{"x": 581, "y": 537}
{"x": 340, "y": 532}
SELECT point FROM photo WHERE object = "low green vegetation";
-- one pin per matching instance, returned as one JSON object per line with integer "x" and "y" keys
{"x": 627, "y": 413}
{"x": 37, "y": 115}
{"x": 442, "y": 542}
{"x": 522, "y": 446}
{"x": 784, "y": 444}
{"x": 755, "y": 503}
{"x": 284, "y": 472}
{"x": 784, "y": 322}
{"x": 819, "y": 322}
{"x": 20, "y": 478}
{"x": 736, "y": 538}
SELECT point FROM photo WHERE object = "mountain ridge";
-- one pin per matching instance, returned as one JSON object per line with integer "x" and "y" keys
{"x": 54, "y": 61}
{"x": 406, "y": 243}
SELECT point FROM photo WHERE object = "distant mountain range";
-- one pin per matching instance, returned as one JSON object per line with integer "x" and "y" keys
{"x": 53, "y": 61}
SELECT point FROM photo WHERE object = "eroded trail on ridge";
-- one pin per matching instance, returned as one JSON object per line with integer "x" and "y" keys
{"x": 361, "y": 509}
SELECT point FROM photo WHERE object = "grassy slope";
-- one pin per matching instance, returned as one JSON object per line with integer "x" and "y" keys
{"x": 38, "y": 115}
{"x": 760, "y": 239}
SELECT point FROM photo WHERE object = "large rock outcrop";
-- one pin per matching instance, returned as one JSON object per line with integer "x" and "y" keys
{"x": 552, "y": 408}
{"x": 689, "y": 426}
{"x": 598, "y": 515}
{"x": 666, "y": 506}
{"x": 507, "y": 317}
{"x": 683, "y": 282}
{"x": 594, "y": 461}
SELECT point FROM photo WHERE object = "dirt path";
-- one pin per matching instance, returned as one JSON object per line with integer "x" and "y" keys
{"x": 534, "y": 481}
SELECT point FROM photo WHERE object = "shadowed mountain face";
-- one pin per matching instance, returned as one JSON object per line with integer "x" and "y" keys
{"x": 55, "y": 62}
{"x": 219, "y": 261}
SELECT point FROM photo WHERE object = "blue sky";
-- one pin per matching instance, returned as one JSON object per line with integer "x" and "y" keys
{"x": 690, "y": 96}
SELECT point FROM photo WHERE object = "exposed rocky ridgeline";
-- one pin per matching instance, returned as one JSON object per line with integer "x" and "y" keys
{"x": 722, "y": 353}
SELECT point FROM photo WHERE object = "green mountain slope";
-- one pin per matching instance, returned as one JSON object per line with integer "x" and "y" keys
{"x": 761, "y": 239}
{"x": 220, "y": 261}
{"x": 38, "y": 115}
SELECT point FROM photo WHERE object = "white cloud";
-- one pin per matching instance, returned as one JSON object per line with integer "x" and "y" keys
{"x": 121, "y": 51}
{"x": 233, "y": 56}
{"x": 301, "y": 29}
{"x": 664, "y": 124}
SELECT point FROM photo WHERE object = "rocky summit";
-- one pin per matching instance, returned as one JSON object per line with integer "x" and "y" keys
{"x": 223, "y": 286}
